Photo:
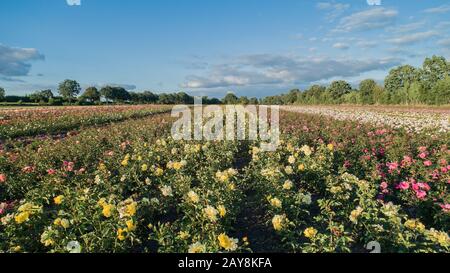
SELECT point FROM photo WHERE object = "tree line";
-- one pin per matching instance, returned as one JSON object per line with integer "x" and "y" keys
{"x": 429, "y": 84}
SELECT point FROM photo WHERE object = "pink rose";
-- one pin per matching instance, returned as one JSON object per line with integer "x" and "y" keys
{"x": 421, "y": 194}
{"x": 423, "y": 155}
{"x": 422, "y": 149}
{"x": 393, "y": 165}
{"x": 51, "y": 171}
{"x": 427, "y": 163}
{"x": 2, "y": 178}
{"x": 28, "y": 169}
{"x": 384, "y": 185}
{"x": 403, "y": 186}
{"x": 445, "y": 208}
{"x": 424, "y": 186}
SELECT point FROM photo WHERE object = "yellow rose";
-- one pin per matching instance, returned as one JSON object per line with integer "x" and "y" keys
{"x": 211, "y": 213}
{"x": 291, "y": 160}
{"x": 227, "y": 243}
{"x": 288, "y": 185}
{"x": 306, "y": 150}
{"x": 48, "y": 242}
{"x": 278, "y": 222}
{"x": 22, "y": 217}
{"x": 330, "y": 147}
{"x": 130, "y": 209}
{"x": 121, "y": 234}
{"x": 193, "y": 197}
{"x": 355, "y": 214}
{"x": 107, "y": 210}
{"x": 144, "y": 167}
{"x": 159, "y": 172}
{"x": 57, "y": 222}
{"x": 183, "y": 235}
{"x": 276, "y": 203}
{"x": 197, "y": 248}
{"x": 130, "y": 225}
{"x": 65, "y": 223}
{"x": 222, "y": 211}
{"x": 414, "y": 224}
{"x": 310, "y": 233}
{"x": 177, "y": 165}
{"x": 301, "y": 167}
{"x": 58, "y": 200}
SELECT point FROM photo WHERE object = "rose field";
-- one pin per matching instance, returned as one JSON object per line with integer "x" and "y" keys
{"x": 110, "y": 179}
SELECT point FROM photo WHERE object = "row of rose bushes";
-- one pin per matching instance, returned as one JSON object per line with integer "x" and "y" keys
{"x": 316, "y": 208}
{"x": 117, "y": 189}
{"x": 408, "y": 169}
{"x": 22, "y": 123}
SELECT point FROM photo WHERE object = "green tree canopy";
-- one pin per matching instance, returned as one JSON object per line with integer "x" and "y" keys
{"x": 367, "y": 90}
{"x": 92, "y": 94}
{"x": 230, "y": 98}
{"x": 399, "y": 77}
{"x": 2, "y": 94}
{"x": 69, "y": 89}
{"x": 337, "y": 89}
{"x": 434, "y": 69}
{"x": 42, "y": 96}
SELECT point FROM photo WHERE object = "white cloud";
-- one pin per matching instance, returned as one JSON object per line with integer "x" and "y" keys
{"x": 123, "y": 85}
{"x": 444, "y": 42}
{"x": 341, "y": 46}
{"x": 413, "y": 38}
{"x": 407, "y": 27}
{"x": 73, "y": 2}
{"x": 440, "y": 9}
{"x": 15, "y": 61}
{"x": 374, "y": 2}
{"x": 276, "y": 70}
{"x": 373, "y": 18}
{"x": 367, "y": 44}
{"x": 334, "y": 9}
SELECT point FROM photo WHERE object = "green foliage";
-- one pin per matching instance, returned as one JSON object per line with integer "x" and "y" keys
{"x": 367, "y": 91}
{"x": 230, "y": 98}
{"x": 41, "y": 96}
{"x": 92, "y": 94}
{"x": 69, "y": 89}
{"x": 441, "y": 92}
{"x": 337, "y": 89}
{"x": 2, "y": 94}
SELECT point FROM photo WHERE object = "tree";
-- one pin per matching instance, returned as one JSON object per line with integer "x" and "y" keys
{"x": 41, "y": 96}
{"x": 120, "y": 94}
{"x": 107, "y": 92}
{"x": 47, "y": 94}
{"x": 2, "y": 94}
{"x": 69, "y": 89}
{"x": 367, "y": 90}
{"x": 441, "y": 92}
{"x": 253, "y": 101}
{"x": 337, "y": 89}
{"x": 399, "y": 77}
{"x": 433, "y": 70}
{"x": 313, "y": 95}
{"x": 230, "y": 98}
{"x": 149, "y": 97}
{"x": 291, "y": 97}
{"x": 92, "y": 94}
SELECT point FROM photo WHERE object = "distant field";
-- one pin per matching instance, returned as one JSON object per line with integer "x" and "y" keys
{"x": 111, "y": 179}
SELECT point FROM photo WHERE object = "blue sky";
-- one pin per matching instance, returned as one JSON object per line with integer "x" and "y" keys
{"x": 209, "y": 47}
